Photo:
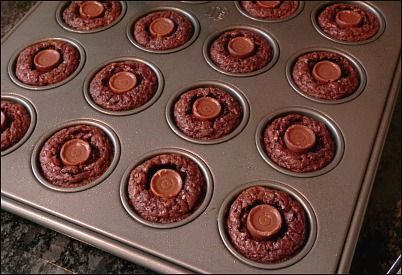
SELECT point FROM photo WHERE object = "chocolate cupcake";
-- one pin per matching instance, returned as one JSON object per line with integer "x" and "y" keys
{"x": 266, "y": 225}
{"x": 91, "y": 15}
{"x": 15, "y": 121}
{"x": 270, "y": 10}
{"x": 75, "y": 156}
{"x": 47, "y": 62}
{"x": 163, "y": 30}
{"x": 166, "y": 188}
{"x": 325, "y": 75}
{"x": 240, "y": 51}
{"x": 348, "y": 22}
{"x": 207, "y": 113}
{"x": 124, "y": 85}
{"x": 298, "y": 143}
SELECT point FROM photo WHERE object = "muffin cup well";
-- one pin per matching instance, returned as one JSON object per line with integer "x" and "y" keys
{"x": 32, "y": 113}
{"x": 208, "y": 194}
{"x": 331, "y": 126}
{"x": 211, "y": 38}
{"x": 225, "y": 87}
{"x": 36, "y": 167}
{"x": 310, "y": 217}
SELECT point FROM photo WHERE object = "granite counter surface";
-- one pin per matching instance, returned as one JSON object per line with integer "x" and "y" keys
{"x": 29, "y": 248}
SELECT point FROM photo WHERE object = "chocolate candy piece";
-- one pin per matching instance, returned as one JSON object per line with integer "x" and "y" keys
{"x": 122, "y": 82}
{"x": 161, "y": 27}
{"x": 91, "y": 9}
{"x": 166, "y": 183}
{"x": 299, "y": 138}
{"x": 348, "y": 18}
{"x": 326, "y": 71}
{"x": 75, "y": 152}
{"x": 47, "y": 60}
{"x": 268, "y": 4}
{"x": 3, "y": 121}
{"x": 206, "y": 108}
{"x": 264, "y": 221}
{"x": 241, "y": 47}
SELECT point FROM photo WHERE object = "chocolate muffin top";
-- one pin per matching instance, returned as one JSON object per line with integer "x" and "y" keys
{"x": 166, "y": 188}
{"x": 75, "y": 156}
{"x": 207, "y": 113}
{"x": 91, "y": 15}
{"x": 270, "y": 10}
{"x": 123, "y": 85}
{"x": 47, "y": 62}
{"x": 348, "y": 22}
{"x": 325, "y": 75}
{"x": 266, "y": 225}
{"x": 15, "y": 121}
{"x": 298, "y": 143}
{"x": 240, "y": 51}
{"x": 163, "y": 30}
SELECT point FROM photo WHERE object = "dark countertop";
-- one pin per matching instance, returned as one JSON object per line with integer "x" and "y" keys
{"x": 29, "y": 248}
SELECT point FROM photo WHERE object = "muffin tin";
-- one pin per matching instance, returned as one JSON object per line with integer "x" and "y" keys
{"x": 335, "y": 200}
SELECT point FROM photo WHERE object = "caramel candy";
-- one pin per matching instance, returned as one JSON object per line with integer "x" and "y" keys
{"x": 241, "y": 47}
{"x": 161, "y": 27}
{"x": 47, "y": 60}
{"x": 206, "y": 108}
{"x": 122, "y": 82}
{"x": 264, "y": 221}
{"x": 91, "y": 9}
{"x": 268, "y": 4}
{"x": 326, "y": 71}
{"x": 166, "y": 183}
{"x": 348, "y": 18}
{"x": 75, "y": 152}
{"x": 3, "y": 121}
{"x": 299, "y": 138}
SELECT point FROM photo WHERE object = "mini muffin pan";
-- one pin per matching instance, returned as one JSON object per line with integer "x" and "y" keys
{"x": 334, "y": 197}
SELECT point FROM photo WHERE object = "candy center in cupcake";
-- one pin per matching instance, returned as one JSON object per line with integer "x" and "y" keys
{"x": 91, "y": 9}
{"x": 268, "y": 4}
{"x": 206, "y": 108}
{"x": 122, "y": 82}
{"x": 3, "y": 121}
{"x": 166, "y": 183}
{"x": 264, "y": 221}
{"x": 299, "y": 138}
{"x": 47, "y": 60}
{"x": 161, "y": 27}
{"x": 241, "y": 47}
{"x": 326, "y": 71}
{"x": 75, "y": 152}
{"x": 348, "y": 18}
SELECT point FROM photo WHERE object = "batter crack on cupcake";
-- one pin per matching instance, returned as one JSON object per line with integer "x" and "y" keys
{"x": 163, "y": 30}
{"x": 298, "y": 143}
{"x": 166, "y": 188}
{"x": 123, "y": 85}
{"x": 207, "y": 113}
{"x": 325, "y": 75}
{"x": 47, "y": 62}
{"x": 240, "y": 51}
{"x": 75, "y": 156}
{"x": 266, "y": 225}
{"x": 348, "y": 22}
{"x": 91, "y": 15}
{"x": 15, "y": 121}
